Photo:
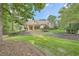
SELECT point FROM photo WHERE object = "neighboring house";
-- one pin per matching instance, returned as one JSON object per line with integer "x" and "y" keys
{"x": 36, "y": 24}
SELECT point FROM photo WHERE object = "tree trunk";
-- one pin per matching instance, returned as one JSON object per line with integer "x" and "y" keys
{"x": 12, "y": 17}
{"x": 0, "y": 23}
{"x": 12, "y": 25}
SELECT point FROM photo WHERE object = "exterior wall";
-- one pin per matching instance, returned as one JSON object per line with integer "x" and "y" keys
{"x": 51, "y": 25}
{"x": 31, "y": 25}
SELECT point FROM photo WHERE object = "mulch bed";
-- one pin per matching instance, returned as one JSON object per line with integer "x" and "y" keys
{"x": 16, "y": 48}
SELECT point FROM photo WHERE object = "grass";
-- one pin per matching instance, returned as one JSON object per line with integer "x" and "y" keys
{"x": 51, "y": 45}
{"x": 57, "y": 30}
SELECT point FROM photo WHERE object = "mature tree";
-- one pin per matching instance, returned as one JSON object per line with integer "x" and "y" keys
{"x": 6, "y": 18}
{"x": 39, "y": 6}
{"x": 18, "y": 13}
{"x": 52, "y": 18}
{"x": 69, "y": 14}
{"x": 70, "y": 18}
{"x": 0, "y": 23}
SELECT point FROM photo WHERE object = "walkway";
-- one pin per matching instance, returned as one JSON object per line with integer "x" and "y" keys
{"x": 63, "y": 35}
{"x": 15, "y": 48}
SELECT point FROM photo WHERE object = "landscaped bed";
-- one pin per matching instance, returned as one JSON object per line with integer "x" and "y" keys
{"x": 50, "y": 45}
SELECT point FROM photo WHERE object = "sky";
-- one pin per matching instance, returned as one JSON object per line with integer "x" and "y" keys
{"x": 49, "y": 9}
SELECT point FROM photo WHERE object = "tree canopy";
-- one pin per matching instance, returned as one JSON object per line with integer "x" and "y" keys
{"x": 52, "y": 18}
{"x": 18, "y": 13}
{"x": 69, "y": 14}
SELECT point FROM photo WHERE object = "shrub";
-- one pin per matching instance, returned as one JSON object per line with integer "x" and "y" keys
{"x": 72, "y": 28}
{"x": 45, "y": 29}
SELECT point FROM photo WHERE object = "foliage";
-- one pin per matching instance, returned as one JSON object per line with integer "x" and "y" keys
{"x": 14, "y": 13}
{"x": 39, "y": 6}
{"x": 45, "y": 29}
{"x": 52, "y": 18}
{"x": 72, "y": 28}
{"x": 69, "y": 14}
{"x": 6, "y": 18}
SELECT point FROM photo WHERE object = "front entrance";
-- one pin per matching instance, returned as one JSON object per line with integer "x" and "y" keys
{"x": 31, "y": 28}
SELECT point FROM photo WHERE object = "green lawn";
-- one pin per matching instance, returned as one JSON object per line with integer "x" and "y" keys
{"x": 57, "y": 30}
{"x": 51, "y": 45}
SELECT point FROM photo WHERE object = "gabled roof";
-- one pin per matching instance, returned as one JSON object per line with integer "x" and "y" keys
{"x": 42, "y": 22}
{"x": 37, "y": 22}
